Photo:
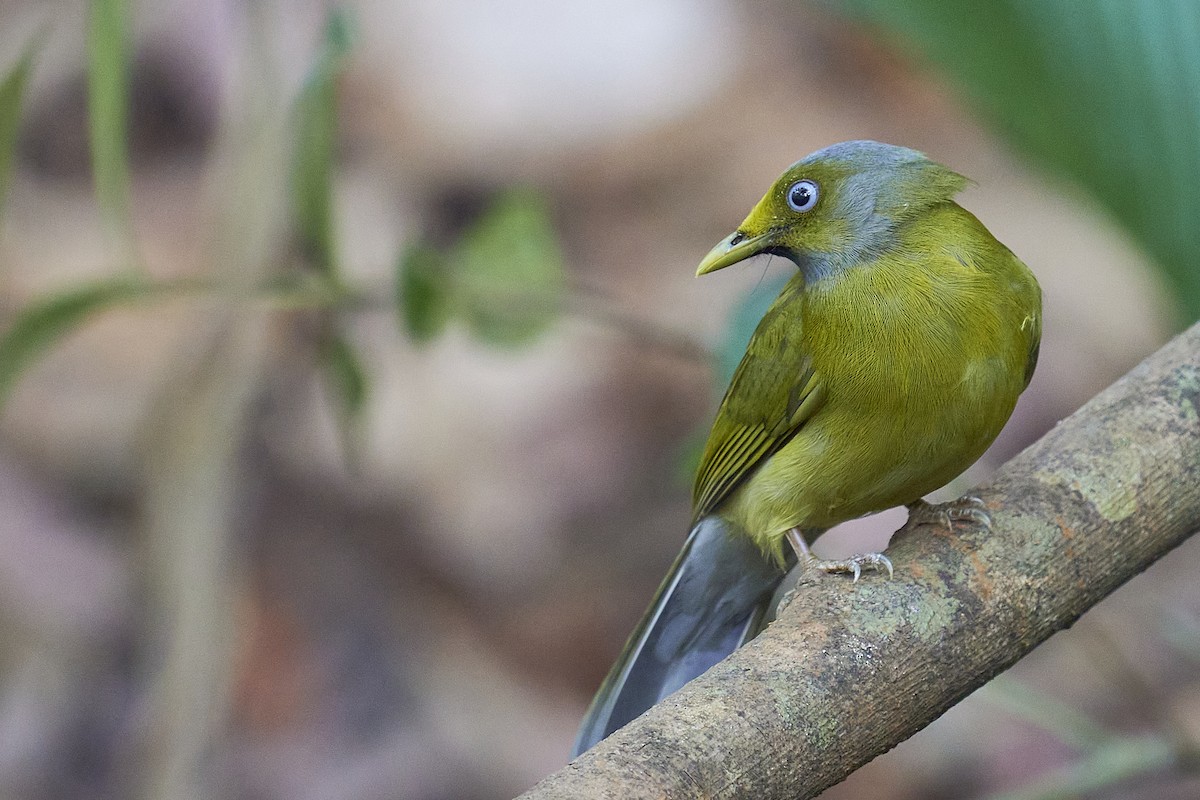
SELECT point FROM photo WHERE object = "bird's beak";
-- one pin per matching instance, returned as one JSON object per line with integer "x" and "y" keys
{"x": 735, "y": 247}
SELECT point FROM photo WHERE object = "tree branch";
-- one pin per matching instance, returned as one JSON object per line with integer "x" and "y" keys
{"x": 850, "y": 670}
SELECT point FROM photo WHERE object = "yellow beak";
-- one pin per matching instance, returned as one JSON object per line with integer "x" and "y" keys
{"x": 735, "y": 247}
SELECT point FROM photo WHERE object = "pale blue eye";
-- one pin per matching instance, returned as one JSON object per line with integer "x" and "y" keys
{"x": 802, "y": 195}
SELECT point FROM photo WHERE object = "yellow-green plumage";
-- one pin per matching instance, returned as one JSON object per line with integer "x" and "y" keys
{"x": 885, "y": 367}
{"x": 872, "y": 387}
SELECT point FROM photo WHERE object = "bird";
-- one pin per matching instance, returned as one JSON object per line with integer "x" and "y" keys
{"x": 887, "y": 365}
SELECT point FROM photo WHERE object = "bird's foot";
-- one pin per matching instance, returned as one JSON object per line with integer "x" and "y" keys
{"x": 853, "y": 565}
{"x": 968, "y": 508}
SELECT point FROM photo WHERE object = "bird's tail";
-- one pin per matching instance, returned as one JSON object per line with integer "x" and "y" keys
{"x": 712, "y": 601}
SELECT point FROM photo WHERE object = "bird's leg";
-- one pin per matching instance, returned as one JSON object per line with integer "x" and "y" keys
{"x": 968, "y": 508}
{"x": 854, "y": 565}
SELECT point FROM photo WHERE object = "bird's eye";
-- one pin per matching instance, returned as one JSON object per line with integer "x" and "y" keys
{"x": 802, "y": 195}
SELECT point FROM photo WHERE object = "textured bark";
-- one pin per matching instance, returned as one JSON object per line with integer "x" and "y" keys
{"x": 850, "y": 670}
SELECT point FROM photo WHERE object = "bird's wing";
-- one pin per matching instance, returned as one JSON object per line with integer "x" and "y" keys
{"x": 773, "y": 393}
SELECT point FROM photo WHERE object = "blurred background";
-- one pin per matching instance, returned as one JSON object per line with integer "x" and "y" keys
{"x": 353, "y": 366}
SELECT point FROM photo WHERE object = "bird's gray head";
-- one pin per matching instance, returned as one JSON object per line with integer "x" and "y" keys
{"x": 838, "y": 206}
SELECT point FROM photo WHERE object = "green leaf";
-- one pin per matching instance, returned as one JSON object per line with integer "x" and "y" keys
{"x": 41, "y": 324}
{"x": 742, "y": 323}
{"x": 1182, "y": 631}
{"x": 1068, "y": 724}
{"x": 108, "y": 107}
{"x": 509, "y": 270}
{"x": 348, "y": 381}
{"x": 316, "y": 134}
{"x": 687, "y": 458}
{"x": 12, "y": 91}
{"x": 1103, "y": 92}
{"x": 345, "y": 372}
{"x": 423, "y": 292}
{"x": 1136, "y": 760}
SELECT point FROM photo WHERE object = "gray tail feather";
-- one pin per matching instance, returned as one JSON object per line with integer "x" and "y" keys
{"x": 713, "y": 600}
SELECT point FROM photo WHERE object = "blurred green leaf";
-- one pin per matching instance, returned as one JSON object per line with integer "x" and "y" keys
{"x": 346, "y": 378}
{"x": 108, "y": 107}
{"x": 423, "y": 292}
{"x": 1130, "y": 760}
{"x": 1106, "y": 93}
{"x": 1068, "y": 724}
{"x": 742, "y": 322}
{"x": 1182, "y": 631}
{"x": 41, "y": 324}
{"x": 316, "y": 134}
{"x": 509, "y": 270}
{"x": 12, "y": 91}
{"x": 505, "y": 276}
{"x": 687, "y": 458}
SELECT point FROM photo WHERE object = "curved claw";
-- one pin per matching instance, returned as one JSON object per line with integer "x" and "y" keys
{"x": 875, "y": 561}
{"x": 853, "y": 565}
{"x": 968, "y": 508}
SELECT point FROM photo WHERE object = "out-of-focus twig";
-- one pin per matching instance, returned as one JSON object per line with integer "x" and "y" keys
{"x": 190, "y": 469}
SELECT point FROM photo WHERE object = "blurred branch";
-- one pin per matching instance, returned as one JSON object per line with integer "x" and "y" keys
{"x": 41, "y": 324}
{"x": 592, "y": 304}
{"x": 190, "y": 475}
{"x": 850, "y": 670}
{"x": 578, "y": 301}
